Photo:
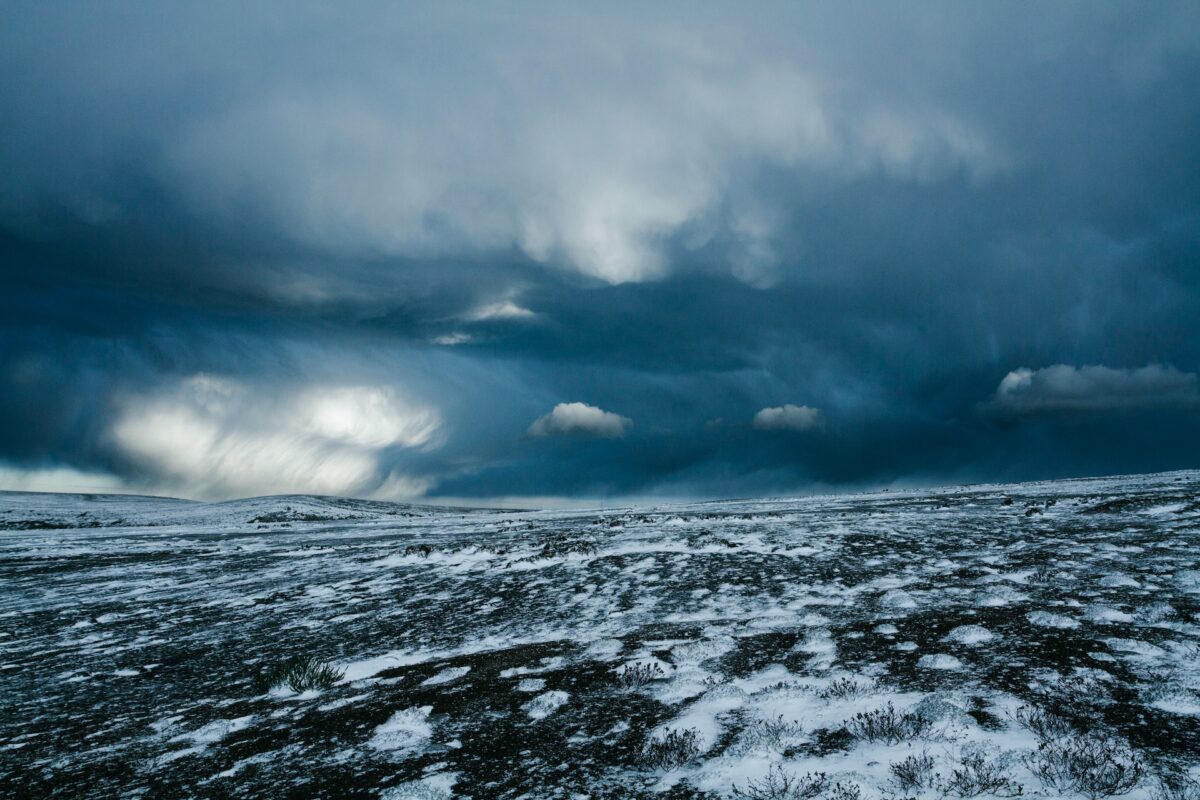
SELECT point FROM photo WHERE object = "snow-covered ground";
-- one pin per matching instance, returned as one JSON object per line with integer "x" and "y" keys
{"x": 1040, "y": 639}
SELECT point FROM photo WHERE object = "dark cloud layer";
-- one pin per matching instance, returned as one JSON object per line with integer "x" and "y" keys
{"x": 363, "y": 250}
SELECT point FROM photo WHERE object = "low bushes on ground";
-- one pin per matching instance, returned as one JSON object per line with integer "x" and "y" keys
{"x": 980, "y": 775}
{"x": 673, "y": 749}
{"x": 888, "y": 725}
{"x": 768, "y": 734}
{"x": 1042, "y": 723}
{"x": 779, "y": 784}
{"x": 845, "y": 688}
{"x": 914, "y": 772}
{"x": 637, "y": 675}
{"x": 1094, "y": 766}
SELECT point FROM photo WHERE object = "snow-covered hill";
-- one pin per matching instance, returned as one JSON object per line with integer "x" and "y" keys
{"x": 1041, "y": 639}
{"x": 42, "y": 511}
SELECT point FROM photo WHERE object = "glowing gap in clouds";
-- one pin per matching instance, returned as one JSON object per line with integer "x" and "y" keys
{"x": 216, "y": 437}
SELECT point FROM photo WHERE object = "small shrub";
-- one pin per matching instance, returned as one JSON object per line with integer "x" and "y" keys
{"x": 914, "y": 772}
{"x": 1043, "y": 724}
{"x": 888, "y": 725}
{"x": 977, "y": 776}
{"x": 782, "y": 785}
{"x": 559, "y": 548}
{"x": 790, "y": 688}
{"x": 1043, "y": 574}
{"x": 299, "y": 673}
{"x": 768, "y": 734}
{"x": 1178, "y": 786}
{"x": 635, "y": 676}
{"x": 845, "y": 791}
{"x": 845, "y": 688}
{"x": 1082, "y": 697}
{"x": 672, "y": 750}
{"x": 1089, "y": 765}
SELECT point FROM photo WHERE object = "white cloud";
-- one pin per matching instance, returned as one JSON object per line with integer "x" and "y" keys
{"x": 581, "y": 418}
{"x": 400, "y": 487}
{"x": 1064, "y": 389}
{"x": 365, "y": 416}
{"x": 788, "y": 418}
{"x": 503, "y": 309}
{"x": 212, "y": 437}
{"x": 59, "y": 479}
{"x": 452, "y": 339}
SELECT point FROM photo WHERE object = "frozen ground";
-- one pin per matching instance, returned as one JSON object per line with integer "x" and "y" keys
{"x": 1041, "y": 639}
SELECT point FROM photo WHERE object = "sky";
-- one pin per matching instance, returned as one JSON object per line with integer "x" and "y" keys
{"x": 546, "y": 253}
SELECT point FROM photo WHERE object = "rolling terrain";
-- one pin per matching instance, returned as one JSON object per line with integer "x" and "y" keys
{"x": 1037, "y": 639}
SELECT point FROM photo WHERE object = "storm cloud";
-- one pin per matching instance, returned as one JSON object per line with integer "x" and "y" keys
{"x": 287, "y": 247}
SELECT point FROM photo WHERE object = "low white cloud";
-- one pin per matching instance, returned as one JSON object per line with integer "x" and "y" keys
{"x": 568, "y": 418}
{"x": 59, "y": 479}
{"x": 213, "y": 437}
{"x": 788, "y": 417}
{"x": 400, "y": 487}
{"x": 501, "y": 310}
{"x": 1064, "y": 389}
{"x": 452, "y": 339}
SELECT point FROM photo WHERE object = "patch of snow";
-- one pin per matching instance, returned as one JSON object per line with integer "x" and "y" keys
{"x": 1178, "y": 703}
{"x": 433, "y": 787}
{"x": 545, "y": 704}
{"x": 345, "y": 701}
{"x": 1045, "y": 619}
{"x": 1104, "y": 614}
{"x": 939, "y": 661}
{"x": 897, "y": 598}
{"x": 1188, "y": 580}
{"x": 404, "y": 732}
{"x": 969, "y": 634}
{"x": 547, "y": 664}
{"x": 446, "y": 676}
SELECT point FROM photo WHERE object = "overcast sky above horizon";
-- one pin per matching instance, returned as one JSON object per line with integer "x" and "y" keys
{"x": 627, "y": 250}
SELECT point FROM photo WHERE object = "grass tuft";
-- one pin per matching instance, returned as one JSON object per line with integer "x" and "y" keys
{"x": 299, "y": 673}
